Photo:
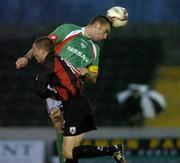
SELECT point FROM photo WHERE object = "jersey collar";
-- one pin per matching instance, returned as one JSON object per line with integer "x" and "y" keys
{"x": 83, "y": 31}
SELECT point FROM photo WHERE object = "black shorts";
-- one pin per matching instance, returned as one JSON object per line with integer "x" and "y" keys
{"x": 77, "y": 115}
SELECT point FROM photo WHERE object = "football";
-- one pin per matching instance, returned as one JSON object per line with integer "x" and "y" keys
{"x": 118, "y": 16}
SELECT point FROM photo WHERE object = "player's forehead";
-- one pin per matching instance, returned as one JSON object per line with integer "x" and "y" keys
{"x": 106, "y": 27}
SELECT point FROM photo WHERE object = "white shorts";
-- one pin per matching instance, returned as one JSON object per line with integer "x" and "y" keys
{"x": 51, "y": 103}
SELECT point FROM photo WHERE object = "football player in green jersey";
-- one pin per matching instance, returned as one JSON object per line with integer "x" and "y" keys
{"x": 78, "y": 46}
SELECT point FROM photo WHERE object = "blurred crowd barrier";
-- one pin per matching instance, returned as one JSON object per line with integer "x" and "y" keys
{"x": 143, "y": 145}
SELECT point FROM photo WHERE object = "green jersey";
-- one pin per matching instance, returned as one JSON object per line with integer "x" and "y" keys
{"x": 75, "y": 47}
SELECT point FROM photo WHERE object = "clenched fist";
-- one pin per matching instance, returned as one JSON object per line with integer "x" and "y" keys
{"x": 21, "y": 62}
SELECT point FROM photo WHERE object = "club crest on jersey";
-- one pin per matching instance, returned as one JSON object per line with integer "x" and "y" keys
{"x": 72, "y": 130}
{"x": 53, "y": 37}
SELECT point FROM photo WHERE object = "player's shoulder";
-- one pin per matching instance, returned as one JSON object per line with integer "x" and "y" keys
{"x": 71, "y": 26}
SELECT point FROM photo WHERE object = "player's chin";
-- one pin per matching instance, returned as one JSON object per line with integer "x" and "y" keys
{"x": 99, "y": 39}
{"x": 96, "y": 40}
{"x": 38, "y": 60}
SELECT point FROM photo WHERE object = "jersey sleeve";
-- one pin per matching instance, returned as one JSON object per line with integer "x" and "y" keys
{"x": 59, "y": 33}
{"x": 95, "y": 64}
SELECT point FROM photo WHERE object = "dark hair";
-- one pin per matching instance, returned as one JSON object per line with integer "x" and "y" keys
{"x": 101, "y": 19}
{"x": 45, "y": 43}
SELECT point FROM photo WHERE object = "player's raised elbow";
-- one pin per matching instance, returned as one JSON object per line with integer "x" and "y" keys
{"x": 93, "y": 80}
{"x": 91, "y": 77}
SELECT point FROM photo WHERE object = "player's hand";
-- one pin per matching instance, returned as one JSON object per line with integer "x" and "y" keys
{"x": 83, "y": 71}
{"x": 21, "y": 62}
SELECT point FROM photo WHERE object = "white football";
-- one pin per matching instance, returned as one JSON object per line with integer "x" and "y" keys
{"x": 118, "y": 15}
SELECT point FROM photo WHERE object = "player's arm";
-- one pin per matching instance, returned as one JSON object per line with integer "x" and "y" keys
{"x": 42, "y": 81}
{"x": 91, "y": 77}
{"x": 89, "y": 74}
{"x": 23, "y": 61}
{"x": 56, "y": 36}
{"x": 41, "y": 84}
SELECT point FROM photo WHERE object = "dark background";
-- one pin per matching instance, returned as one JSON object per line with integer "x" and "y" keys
{"x": 132, "y": 54}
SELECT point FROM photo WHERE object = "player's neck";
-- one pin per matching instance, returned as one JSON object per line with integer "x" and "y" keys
{"x": 87, "y": 32}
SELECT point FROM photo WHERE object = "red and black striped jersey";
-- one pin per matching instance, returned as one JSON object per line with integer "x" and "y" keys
{"x": 60, "y": 75}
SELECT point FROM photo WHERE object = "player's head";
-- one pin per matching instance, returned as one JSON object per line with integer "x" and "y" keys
{"x": 42, "y": 46}
{"x": 100, "y": 27}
